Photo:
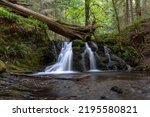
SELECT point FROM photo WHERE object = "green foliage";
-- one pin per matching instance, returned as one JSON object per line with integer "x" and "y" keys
{"x": 101, "y": 11}
{"x": 77, "y": 43}
{"x": 2, "y": 67}
{"x": 143, "y": 68}
{"x": 7, "y": 15}
{"x": 20, "y": 39}
{"x": 116, "y": 48}
{"x": 108, "y": 39}
{"x": 128, "y": 52}
{"x": 131, "y": 55}
{"x": 19, "y": 49}
{"x": 30, "y": 23}
{"x": 14, "y": 50}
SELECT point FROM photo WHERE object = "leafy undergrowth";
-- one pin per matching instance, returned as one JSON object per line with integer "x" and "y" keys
{"x": 22, "y": 41}
{"x": 134, "y": 43}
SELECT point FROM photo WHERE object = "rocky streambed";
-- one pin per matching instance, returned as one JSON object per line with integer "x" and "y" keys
{"x": 83, "y": 86}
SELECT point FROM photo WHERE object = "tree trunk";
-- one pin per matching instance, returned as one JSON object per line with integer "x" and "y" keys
{"x": 129, "y": 18}
{"x": 87, "y": 11}
{"x": 144, "y": 7}
{"x": 127, "y": 12}
{"x": 69, "y": 31}
{"x": 118, "y": 24}
{"x": 131, "y": 11}
{"x": 138, "y": 8}
{"x": 117, "y": 17}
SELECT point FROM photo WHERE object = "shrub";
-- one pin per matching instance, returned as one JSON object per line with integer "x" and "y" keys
{"x": 131, "y": 55}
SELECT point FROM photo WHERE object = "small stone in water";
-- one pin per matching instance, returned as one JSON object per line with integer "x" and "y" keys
{"x": 117, "y": 89}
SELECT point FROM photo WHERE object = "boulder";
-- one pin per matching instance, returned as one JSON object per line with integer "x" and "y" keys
{"x": 117, "y": 90}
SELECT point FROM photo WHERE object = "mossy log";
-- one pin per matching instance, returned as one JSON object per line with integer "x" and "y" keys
{"x": 70, "y": 31}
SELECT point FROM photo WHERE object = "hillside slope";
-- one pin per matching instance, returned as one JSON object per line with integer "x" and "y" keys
{"x": 23, "y": 42}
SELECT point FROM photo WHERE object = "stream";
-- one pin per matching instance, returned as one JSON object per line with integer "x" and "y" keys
{"x": 109, "y": 85}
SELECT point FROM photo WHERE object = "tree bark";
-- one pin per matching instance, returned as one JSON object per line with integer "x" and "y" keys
{"x": 144, "y": 7}
{"x": 127, "y": 12}
{"x": 118, "y": 23}
{"x": 129, "y": 17}
{"x": 138, "y": 8}
{"x": 19, "y": 3}
{"x": 87, "y": 12}
{"x": 69, "y": 31}
{"x": 117, "y": 17}
{"x": 131, "y": 11}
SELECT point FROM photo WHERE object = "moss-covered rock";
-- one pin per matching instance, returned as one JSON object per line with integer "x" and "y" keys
{"x": 2, "y": 67}
{"x": 78, "y": 43}
{"x": 143, "y": 68}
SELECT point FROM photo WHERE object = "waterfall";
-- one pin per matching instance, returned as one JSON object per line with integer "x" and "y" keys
{"x": 129, "y": 67}
{"x": 87, "y": 60}
{"x": 108, "y": 55}
{"x": 91, "y": 57}
{"x": 64, "y": 61}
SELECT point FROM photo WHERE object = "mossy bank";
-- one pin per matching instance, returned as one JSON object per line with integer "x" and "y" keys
{"x": 23, "y": 42}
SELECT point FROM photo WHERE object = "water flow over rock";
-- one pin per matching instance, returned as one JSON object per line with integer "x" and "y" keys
{"x": 86, "y": 57}
{"x": 64, "y": 61}
{"x": 91, "y": 57}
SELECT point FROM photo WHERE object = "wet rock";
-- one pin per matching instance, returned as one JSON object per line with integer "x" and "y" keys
{"x": 111, "y": 67}
{"x": 118, "y": 62}
{"x": 52, "y": 52}
{"x": 103, "y": 98}
{"x": 2, "y": 67}
{"x": 4, "y": 83}
{"x": 117, "y": 90}
{"x": 81, "y": 60}
{"x": 142, "y": 68}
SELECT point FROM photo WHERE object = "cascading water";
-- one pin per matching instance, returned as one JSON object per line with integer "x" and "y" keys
{"x": 65, "y": 59}
{"x": 64, "y": 62}
{"x": 91, "y": 58}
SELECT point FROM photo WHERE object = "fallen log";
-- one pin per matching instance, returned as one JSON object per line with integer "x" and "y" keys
{"x": 70, "y": 31}
{"x": 19, "y": 3}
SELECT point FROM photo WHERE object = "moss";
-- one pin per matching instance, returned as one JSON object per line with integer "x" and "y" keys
{"x": 77, "y": 43}
{"x": 21, "y": 68}
{"x": 143, "y": 68}
{"x": 25, "y": 22}
{"x": 76, "y": 48}
{"x": 127, "y": 50}
{"x": 22, "y": 41}
{"x": 2, "y": 67}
